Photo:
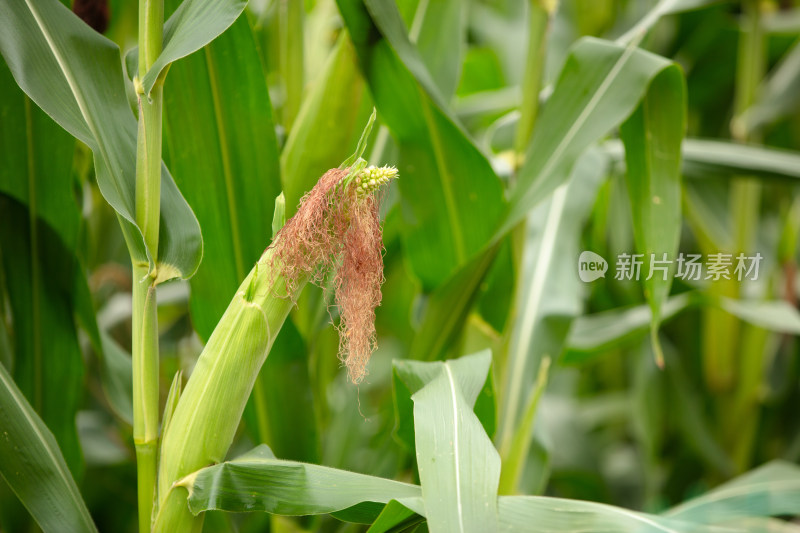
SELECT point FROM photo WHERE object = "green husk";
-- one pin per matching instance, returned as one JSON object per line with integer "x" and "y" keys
{"x": 204, "y": 422}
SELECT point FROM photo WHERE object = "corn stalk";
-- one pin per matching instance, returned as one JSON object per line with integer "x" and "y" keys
{"x": 144, "y": 348}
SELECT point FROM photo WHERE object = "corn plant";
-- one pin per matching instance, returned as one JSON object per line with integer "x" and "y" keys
{"x": 273, "y": 290}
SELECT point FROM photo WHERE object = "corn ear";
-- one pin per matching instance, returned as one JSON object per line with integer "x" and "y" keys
{"x": 205, "y": 420}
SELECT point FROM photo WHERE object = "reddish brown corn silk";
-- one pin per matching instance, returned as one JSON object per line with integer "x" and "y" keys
{"x": 336, "y": 230}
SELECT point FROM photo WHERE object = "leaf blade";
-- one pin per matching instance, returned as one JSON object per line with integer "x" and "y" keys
{"x": 32, "y": 464}
{"x": 459, "y": 469}
{"x": 652, "y": 136}
{"x": 600, "y": 85}
{"x": 259, "y": 482}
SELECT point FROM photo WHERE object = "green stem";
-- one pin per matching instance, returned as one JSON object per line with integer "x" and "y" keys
{"x": 148, "y": 168}
{"x": 746, "y": 192}
{"x": 516, "y": 452}
{"x": 538, "y": 19}
{"x": 151, "y": 24}
{"x": 744, "y": 209}
{"x": 145, "y": 388}
{"x": 144, "y": 348}
{"x": 539, "y": 16}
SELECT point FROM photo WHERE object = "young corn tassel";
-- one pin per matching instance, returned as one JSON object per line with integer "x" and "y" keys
{"x": 335, "y": 230}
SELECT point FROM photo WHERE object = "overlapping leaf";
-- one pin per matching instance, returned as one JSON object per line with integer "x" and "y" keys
{"x": 704, "y": 157}
{"x": 45, "y": 47}
{"x": 557, "y": 515}
{"x": 475, "y": 382}
{"x": 770, "y": 490}
{"x": 595, "y": 334}
{"x": 600, "y": 85}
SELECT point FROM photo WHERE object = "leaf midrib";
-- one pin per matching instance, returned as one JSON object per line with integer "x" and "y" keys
{"x": 456, "y": 460}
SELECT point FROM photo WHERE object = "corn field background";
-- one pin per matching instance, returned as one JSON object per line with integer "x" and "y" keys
{"x": 152, "y": 151}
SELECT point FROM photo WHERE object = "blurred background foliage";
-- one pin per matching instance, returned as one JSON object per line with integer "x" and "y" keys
{"x": 282, "y": 96}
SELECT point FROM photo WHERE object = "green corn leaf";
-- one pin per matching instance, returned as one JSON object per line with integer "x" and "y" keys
{"x": 600, "y": 85}
{"x": 395, "y": 518}
{"x": 779, "y": 96}
{"x": 439, "y": 31}
{"x": 40, "y": 220}
{"x": 33, "y": 466}
{"x": 558, "y": 515}
{"x": 225, "y": 162}
{"x": 448, "y": 306}
{"x": 763, "y": 525}
{"x": 774, "y": 315}
{"x": 770, "y": 490}
{"x": 409, "y": 377}
{"x": 74, "y": 74}
{"x": 454, "y": 198}
{"x": 362, "y": 142}
{"x": 593, "y": 335}
{"x": 703, "y": 156}
{"x": 652, "y": 137}
{"x": 194, "y": 24}
{"x": 258, "y": 481}
{"x": 48, "y": 362}
{"x": 662, "y": 8}
{"x": 37, "y": 159}
{"x": 459, "y": 469}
